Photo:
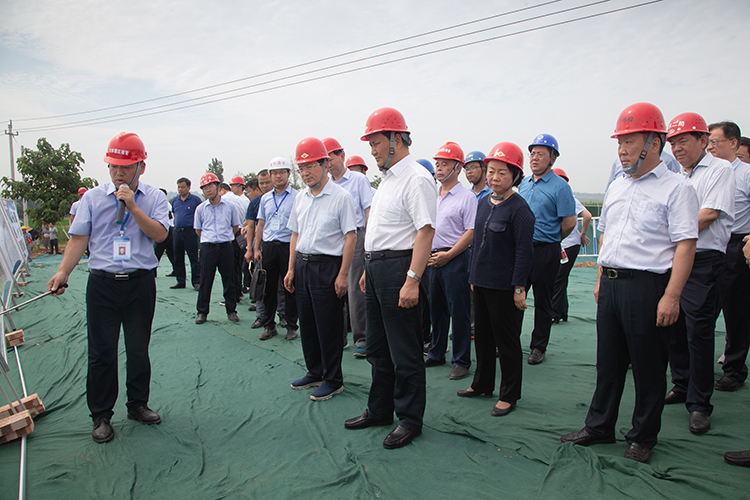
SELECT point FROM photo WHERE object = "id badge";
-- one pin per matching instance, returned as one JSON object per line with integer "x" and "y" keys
{"x": 275, "y": 225}
{"x": 121, "y": 248}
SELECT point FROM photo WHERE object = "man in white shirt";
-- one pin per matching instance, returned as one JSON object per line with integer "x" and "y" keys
{"x": 324, "y": 233}
{"x": 691, "y": 350}
{"x": 734, "y": 287}
{"x": 397, "y": 246}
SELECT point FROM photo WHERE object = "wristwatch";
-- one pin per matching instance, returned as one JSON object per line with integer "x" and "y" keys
{"x": 518, "y": 291}
{"x": 414, "y": 276}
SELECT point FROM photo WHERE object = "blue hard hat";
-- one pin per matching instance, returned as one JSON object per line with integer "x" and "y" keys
{"x": 545, "y": 140}
{"x": 427, "y": 164}
{"x": 474, "y": 156}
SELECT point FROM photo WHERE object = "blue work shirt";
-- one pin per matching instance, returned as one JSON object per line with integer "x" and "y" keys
{"x": 481, "y": 194}
{"x": 215, "y": 222}
{"x": 277, "y": 206}
{"x": 358, "y": 186}
{"x": 96, "y": 217}
{"x": 184, "y": 211}
{"x": 550, "y": 199}
{"x": 252, "y": 209}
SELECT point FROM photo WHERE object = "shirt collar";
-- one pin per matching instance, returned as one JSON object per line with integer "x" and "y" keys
{"x": 325, "y": 191}
{"x": 111, "y": 187}
{"x": 546, "y": 177}
{"x": 399, "y": 167}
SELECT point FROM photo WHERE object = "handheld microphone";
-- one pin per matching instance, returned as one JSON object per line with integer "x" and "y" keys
{"x": 120, "y": 212}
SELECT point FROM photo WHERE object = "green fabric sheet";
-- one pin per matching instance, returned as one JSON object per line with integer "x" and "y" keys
{"x": 233, "y": 428}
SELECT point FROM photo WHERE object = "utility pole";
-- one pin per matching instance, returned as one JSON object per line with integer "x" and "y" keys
{"x": 10, "y": 135}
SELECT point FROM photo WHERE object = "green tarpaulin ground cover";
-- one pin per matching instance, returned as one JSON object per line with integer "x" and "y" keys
{"x": 233, "y": 428}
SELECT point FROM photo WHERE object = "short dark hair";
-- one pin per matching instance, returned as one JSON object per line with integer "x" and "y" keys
{"x": 744, "y": 141}
{"x": 185, "y": 180}
{"x": 252, "y": 184}
{"x": 264, "y": 172}
{"x": 225, "y": 186}
{"x": 730, "y": 129}
{"x": 163, "y": 191}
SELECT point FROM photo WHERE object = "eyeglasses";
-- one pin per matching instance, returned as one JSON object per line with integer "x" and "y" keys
{"x": 537, "y": 154}
{"x": 307, "y": 167}
{"x": 466, "y": 167}
{"x": 714, "y": 142}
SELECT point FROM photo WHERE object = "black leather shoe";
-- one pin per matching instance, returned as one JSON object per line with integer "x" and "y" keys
{"x": 472, "y": 394}
{"x": 458, "y": 372}
{"x": 535, "y": 357}
{"x": 497, "y": 412}
{"x": 638, "y": 453}
{"x": 144, "y": 415}
{"x": 103, "y": 430}
{"x": 178, "y": 285}
{"x": 433, "y": 362}
{"x": 202, "y": 318}
{"x": 170, "y": 275}
{"x": 291, "y": 334}
{"x": 252, "y": 307}
{"x": 364, "y": 421}
{"x": 232, "y": 316}
{"x": 583, "y": 438}
{"x": 257, "y": 323}
{"x": 268, "y": 333}
{"x": 674, "y": 397}
{"x": 728, "y": 384}
{"x": 399, "y": 437}
{"x": 197, "y": 288}
{"x": 699, "y": 422}
{"x": 738, "y": 458}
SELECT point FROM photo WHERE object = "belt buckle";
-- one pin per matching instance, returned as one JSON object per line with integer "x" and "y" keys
{"x": 612, "y": 274}
{"x": 304, "y": 256}
{"x": 122, "y": 276}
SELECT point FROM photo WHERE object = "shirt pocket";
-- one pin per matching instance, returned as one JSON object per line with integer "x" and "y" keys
{"x": 651, "y": 217}
{"x": 328, "y": 222}
{"x": 497, "y": 226}
{"x": 391, "y": 211}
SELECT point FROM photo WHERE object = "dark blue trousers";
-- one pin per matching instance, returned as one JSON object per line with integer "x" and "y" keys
{"x": 560, "y": 291}
{"x": 626, "y": 333}
{"x": 186, "y": 240}
{"x": 321, "y": 319}
{"x": 276, "y": 264}
{"x": 394, "y": 346}
{"x": 110, "y": 305}
{"x": 734, "y": 291}
{"x": 542, "y": 280}
{"x": 691, "y": 345}
{"x": 449, "y": 296}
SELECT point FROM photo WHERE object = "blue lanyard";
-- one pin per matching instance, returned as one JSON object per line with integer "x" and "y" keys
{"x": 278, "y": 205}
{"x": 127, "y": 213}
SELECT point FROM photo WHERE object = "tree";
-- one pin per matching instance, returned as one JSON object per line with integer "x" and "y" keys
{"x": 51, "y": 178}
{"x": 376, "y": 181}
{"x": 247, "y": 177}
{"x": 217, "y": 168}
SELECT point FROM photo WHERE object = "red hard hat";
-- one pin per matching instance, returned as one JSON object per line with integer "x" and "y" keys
{"x": 508, "y": 153}
{"x": 208, "y": 178}
{"x": 354, "y": 161}
{"x": 125, "y": 149}
{"x": 450, "y": 151}
{"x": 640, "y": 117}
{"x": 561, "y": 173}
{"x": 332, "y": 145}
{"x": 687, "y": 122}
{"x": 385, "y": 120}
{"x": 310, "y": 150}
{"x": 237, "y": 179}
{"x": 82, "y": 190}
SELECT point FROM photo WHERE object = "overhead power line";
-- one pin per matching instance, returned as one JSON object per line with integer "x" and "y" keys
{"x": 157, "y": 110}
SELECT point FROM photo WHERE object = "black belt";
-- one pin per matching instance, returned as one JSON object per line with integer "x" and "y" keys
{"x": 121, "y": 276}
{"x": 545, "y": 243}
{"x": 183, "y": 229}
{"x": 440, "y": 249}
{"x": 316, "y": 258}
{"x": 387, "y": 254}
{"x": 217, "y": 245}
{"x": 627, "y": 273}
{"x": 276, "y": 242}
{"x": 736, "y": 237}
{"x": 708, "y": 254}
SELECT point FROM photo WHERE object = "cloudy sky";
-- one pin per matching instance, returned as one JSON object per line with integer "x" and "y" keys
{"x": 571, "y": 80}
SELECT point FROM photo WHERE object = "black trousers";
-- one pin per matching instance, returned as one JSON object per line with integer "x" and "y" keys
{"x": 560, "y": 291}
{"x": 542, "y": 279}
{"x": 110, "y": 305}
{"x": 626, "y": 333}
{"x": 497, "y": 325}
{"x": 734, "y": 290}
{"x": 394, "y": 345}
{"x": 186, "y": 241}
{"x": 276, "y": 264}
{"x": 239, "y": 258}
{"x": 321, "y": 319}
{"x": 216, "y": 256}
{"x": 691, "y": 344}
{"x": 167, "y": 245}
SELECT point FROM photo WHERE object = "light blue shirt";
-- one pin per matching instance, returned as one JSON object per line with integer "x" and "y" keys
{"x": 279, "y": 206}
{"x": 359, "y": 187}
{"x": 322, "y": 221}
{"x": 551, "y": 199}
{"x": 96, "y": 217}
{"x": 741, "y": 197}
{"x": 215, "y": 222}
